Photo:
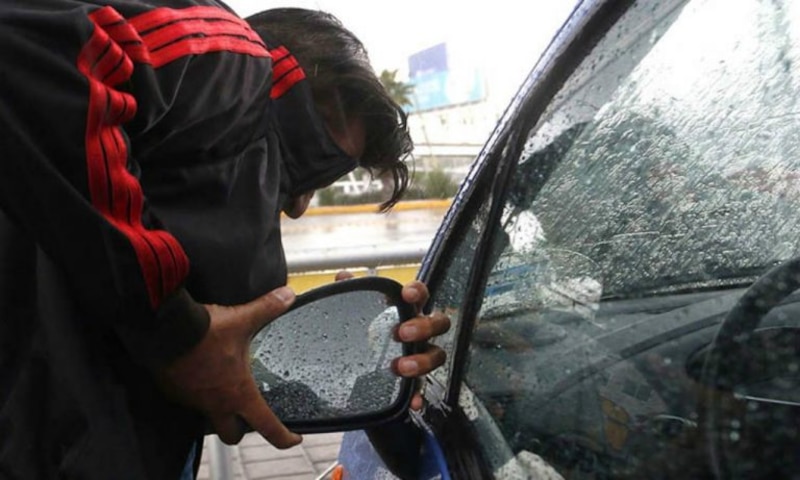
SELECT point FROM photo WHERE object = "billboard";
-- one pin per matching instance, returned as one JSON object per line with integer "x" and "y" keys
{"x": 439, "y": 81}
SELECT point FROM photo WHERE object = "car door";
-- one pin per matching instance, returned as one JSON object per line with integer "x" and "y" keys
{"x": 644, "y": 177}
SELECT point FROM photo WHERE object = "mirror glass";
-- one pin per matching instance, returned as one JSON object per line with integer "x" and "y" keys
{"x": 330, "y": 358}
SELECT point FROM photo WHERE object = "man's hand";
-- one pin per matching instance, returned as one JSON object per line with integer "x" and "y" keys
{"x": 214, "y": 377}
{"x": 419, "y": 329}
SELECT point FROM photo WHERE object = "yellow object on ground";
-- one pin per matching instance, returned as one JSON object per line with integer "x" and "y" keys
{"x": 373, "y": 207}
{"x": 302, "y": 282}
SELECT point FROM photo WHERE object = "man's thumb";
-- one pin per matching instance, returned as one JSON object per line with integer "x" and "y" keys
{"x": 268, "y": 307}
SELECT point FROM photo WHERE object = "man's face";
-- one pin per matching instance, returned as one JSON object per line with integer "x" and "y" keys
{"x": 350, "y": 135}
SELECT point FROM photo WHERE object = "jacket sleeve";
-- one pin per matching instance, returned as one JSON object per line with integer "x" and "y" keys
{"x": 66, "y": 178}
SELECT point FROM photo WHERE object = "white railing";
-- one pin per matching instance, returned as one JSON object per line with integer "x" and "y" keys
{"x": 364, "y": 257}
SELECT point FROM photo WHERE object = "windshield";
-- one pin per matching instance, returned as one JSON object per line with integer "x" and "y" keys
{"x": 663, "y": 179}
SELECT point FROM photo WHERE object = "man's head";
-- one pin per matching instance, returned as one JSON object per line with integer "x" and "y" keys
{"x": 360, "y": 115}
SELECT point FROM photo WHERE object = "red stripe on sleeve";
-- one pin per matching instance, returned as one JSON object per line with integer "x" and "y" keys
{"x": 161, "y": 17}
{"x": 123, "y": 33}
{"x": 156, "y": 38}
{"x": 169, "y": 34}
{"x": 106, "y": 16}
{"x": 288, "y": 81}
{"x": 176, "y": 31}
{"x": 112, "y": 188}
{"x": 286, "y": 72}
{"x": 115, "y": 26}
{"x": 283, "y": 62}
{"x": 95, "y": 157}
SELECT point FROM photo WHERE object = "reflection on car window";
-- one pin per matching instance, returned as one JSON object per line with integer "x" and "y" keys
{"x": 664, "y": 182}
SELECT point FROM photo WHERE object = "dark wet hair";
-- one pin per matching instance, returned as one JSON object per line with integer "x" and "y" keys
{"x": 340, "y": 75}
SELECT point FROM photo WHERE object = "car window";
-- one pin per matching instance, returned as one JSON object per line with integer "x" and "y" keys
{"x": 662, "y": 181}
{"x": 449, "y": 290}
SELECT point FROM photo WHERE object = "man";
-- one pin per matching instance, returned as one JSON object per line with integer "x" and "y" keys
{"x": 147, "y": 153}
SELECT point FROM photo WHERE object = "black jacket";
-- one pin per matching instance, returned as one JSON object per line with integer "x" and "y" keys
{"x": 144, "y": 156}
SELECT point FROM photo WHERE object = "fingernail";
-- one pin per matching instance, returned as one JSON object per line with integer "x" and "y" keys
{"x": 408, "y": 332}
{"x": 284, "y": 294}
{"x": 408, "y": 368}
{"x": 415, "y": 295}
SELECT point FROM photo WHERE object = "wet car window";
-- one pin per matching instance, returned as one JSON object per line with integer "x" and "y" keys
{"x": 664, "y": 180}
{"x": 448, "y": 294}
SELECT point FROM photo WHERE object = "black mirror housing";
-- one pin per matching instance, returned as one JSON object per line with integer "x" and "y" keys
{"x": 325, "y": 364}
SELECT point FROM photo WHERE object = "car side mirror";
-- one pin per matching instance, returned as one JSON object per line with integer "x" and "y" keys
{"x": 325, "y": 364}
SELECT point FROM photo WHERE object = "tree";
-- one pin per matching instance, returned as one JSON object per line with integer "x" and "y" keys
{"x": 399, "y": 91}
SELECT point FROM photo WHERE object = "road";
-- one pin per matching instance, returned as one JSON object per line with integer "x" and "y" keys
{"x": 337, "y": 237}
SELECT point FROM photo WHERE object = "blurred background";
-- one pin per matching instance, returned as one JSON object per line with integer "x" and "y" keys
{"x": 454, "y": 67}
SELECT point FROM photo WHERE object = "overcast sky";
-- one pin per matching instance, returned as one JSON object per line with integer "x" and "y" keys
{"x": 496, "y": 33}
